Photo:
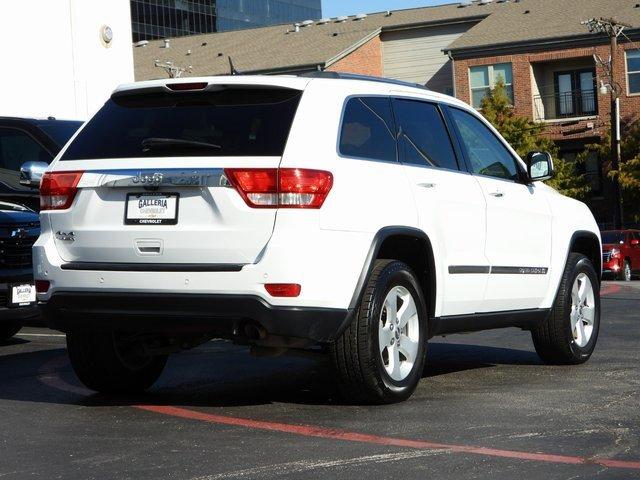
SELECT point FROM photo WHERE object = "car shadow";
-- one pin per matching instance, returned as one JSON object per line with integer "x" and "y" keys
{"x": 220, "y": 374}
{"x": 12, "y": 341}
{"x": 446, "y": 358}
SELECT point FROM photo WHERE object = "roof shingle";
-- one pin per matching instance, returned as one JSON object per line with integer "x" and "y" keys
{"x": 280, "y": 48}
{"x": 545, "y": 20}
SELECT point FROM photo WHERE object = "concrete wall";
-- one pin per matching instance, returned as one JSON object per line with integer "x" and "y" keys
{"x": 53, "y": 59}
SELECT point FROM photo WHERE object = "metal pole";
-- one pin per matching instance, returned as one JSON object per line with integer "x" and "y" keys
{"x": 615, "y": 136}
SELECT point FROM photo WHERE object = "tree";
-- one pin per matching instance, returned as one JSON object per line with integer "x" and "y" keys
{"x": 522, "y": 133}
{"x": 628, "y": 173}
{"x": 568, "y": 181}
{"x": 525, "y": 136}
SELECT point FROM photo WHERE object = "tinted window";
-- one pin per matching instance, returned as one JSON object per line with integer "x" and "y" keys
{"x": 486, "y": 154}
{"x": 60, "y": 132}
{"x": 368, "y": 129}
{"x": 612, "y": 237}
{"x": 231, "y": 122}
{"x": 424, "y": 139}
{"x": 18, "y": 147}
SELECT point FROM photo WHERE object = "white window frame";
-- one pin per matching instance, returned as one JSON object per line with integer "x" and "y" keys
{"x": 629, "y": 73}
{"x": 492, "y": 81}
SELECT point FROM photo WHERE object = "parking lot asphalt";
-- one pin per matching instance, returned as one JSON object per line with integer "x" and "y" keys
{"x": 486, "y": 408}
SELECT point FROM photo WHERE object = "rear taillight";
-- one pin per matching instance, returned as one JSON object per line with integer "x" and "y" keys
{"x": 58, "y": 189}
{"x": 281, "y": 188}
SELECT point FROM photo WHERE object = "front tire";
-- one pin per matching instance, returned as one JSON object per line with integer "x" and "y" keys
{"x": 570, "y": 333}
{"x": 380, "y": 356}
{"x": 103, "y": 362}
{"x": 625, "y": 273}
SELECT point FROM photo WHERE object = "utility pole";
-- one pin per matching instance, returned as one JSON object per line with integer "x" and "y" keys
{"x": 613, "y": 29}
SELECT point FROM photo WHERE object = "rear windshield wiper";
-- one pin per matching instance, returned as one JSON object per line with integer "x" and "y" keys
{"x": 149, "y": 144}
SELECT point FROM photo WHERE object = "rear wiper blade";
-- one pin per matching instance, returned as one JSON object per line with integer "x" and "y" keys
{"x": 149, "y": 144}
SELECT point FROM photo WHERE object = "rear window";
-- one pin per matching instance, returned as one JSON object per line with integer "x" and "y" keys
{"x": 232, "y": 122}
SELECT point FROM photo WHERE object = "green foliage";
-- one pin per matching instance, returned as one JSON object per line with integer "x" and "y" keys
{"x": 628, "y": 173}
{"x": 522, "y": 133}
{"x": 568, "y": 182}
{"x": 525, "y": 136}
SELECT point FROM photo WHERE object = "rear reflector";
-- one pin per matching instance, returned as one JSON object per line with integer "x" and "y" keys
{"x": 283, "y": 289}
{"x": 42, "y": 286}
{"x": 58, "y": 189}
{"x": 181, "y": 87}
{"x": 281, "y": 188}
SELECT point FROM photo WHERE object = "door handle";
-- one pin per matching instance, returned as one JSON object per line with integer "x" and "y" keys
{"x": 427, "y": 185}
{"x": 497, "y": 194}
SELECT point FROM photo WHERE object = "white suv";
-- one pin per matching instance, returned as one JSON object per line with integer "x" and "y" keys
{"x": 355, "y": 215}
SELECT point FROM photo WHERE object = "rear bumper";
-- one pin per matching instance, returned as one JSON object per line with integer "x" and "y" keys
{"x": 217, "y": 315}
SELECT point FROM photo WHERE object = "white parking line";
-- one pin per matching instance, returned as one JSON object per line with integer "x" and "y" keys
{"x": 289, "y": 468}
{"x": 61, "y": 335}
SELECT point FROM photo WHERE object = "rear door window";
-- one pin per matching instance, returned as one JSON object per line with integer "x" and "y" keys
{"x": 368, "y": 129}
{"x": 423, "y": 139}
{"x": 231, "y": 122}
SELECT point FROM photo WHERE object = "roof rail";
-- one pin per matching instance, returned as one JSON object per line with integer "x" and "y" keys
{"x": 354, "y": 76}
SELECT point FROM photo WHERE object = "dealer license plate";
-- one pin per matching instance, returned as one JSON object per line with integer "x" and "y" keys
{"x": 22, "y": 295}
{"x": 151, "y": 208}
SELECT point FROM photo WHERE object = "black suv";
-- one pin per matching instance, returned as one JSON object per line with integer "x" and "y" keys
{"x": 24, "y": 140}
{"x": 19, "y": 229}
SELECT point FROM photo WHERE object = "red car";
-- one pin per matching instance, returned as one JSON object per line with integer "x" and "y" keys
{"x": 621, "y": 253}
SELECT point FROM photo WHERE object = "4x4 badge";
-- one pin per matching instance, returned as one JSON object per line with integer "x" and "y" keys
{"x": 66, "y": 236}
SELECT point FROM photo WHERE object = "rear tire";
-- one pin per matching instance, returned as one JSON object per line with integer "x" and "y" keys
{"x": 103, "y": 364}
{"x": 9, "y": 330}
{"x": 570, "y": 332}
{"x": 380, "y": 356}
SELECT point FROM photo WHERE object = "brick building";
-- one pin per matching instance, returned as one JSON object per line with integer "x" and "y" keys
{"x": 548, "y": 59}
{"x": 539, "y": 48}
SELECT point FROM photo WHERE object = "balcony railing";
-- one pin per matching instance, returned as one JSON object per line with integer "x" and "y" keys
{"x": 577, "y": 103}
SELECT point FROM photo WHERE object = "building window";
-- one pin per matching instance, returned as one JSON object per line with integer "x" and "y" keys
{"x": 575, "y": 93}
{"x": 633, "y": 70}
{"x": 484, "y": 79}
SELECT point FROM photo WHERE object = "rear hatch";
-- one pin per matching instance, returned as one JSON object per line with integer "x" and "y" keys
{"x": 151, "y": 186}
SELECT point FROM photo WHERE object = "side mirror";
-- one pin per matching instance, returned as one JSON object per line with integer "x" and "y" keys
{"x": 31, "y": 173}
{"x": 539, "y": 166}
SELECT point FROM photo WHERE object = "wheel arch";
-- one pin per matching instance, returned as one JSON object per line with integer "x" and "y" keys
{"x": 588, "y": 244}
{"x": 406, "y": 244}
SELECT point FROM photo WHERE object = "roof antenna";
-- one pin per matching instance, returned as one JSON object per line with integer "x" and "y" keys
{"x": 232, "y": 68}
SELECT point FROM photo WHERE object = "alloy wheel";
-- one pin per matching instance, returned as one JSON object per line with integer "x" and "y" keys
{"x": 583, "y": 310}
{"x": 399, "y": 333}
